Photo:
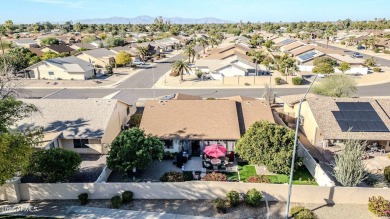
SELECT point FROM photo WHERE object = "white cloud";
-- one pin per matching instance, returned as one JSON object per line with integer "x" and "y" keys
{"x": 69, "y": 3}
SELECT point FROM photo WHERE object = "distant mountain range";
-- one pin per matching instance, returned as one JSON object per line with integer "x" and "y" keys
{"x": 150, "y": 20}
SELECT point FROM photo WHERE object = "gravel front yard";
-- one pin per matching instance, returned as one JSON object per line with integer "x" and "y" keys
{"x": 90, "y": 168}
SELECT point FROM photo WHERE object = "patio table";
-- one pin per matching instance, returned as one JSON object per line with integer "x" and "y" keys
{"x": 215, "y": 161}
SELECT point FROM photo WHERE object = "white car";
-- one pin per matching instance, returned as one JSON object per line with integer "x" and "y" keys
{"x": 321, "y": 76}
{"x": 138, "y": 63}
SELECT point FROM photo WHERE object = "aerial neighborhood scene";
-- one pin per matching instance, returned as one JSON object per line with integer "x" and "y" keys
{"x": 196, "y": 109}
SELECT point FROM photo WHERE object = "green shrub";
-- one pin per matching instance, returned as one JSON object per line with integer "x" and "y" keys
{"x": 386, "y": 51}
{"x": 54, "y": 165}
{"x": 135, "y": 120}
{"x": 253, "y": 198}
{"x": 295, "y": 210}
{"x": 215, "y": 177}
{"x": 376, "y": 50}
{"x": 376, "y": 69}
{"x": 379, "y": 206}
{"x": 305, "y": 214}
{"x": 259, "y": 179}
{"x": 278, "y": 80}
{"x": 173, "y": 177}
{"x": 297, "y": 80}
{"x": 219, "y": 204}
{"x": 210, "y": 98}
{"x": 116, "y": 201}
{"x": 233, "y": 198}
{"x": 127, "y": 196}
{"x": 342, "y": 43}
{"x": 198, "y": 73}
{"x": 83, "y": 198}
{"x": 387, "y": 173}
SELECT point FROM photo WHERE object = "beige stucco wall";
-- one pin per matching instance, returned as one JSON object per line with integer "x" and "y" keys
{"x": 200, "y": 190}
{"x": 42, "y": 71}
{"x": 118, "y": 118}
{"x": 101, "y": 62}
{"x": 245, "y": 79}
{"x": 310, "y": 126}
{"x": 95, "y": 147}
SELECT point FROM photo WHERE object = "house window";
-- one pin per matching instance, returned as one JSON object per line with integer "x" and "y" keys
{"x": 80, "y": 143}
{"x": 51, "y": 73}
{"x": 128, "y": 110}
{"x": 168, "y": 144}
{"x": 51, "y": 146}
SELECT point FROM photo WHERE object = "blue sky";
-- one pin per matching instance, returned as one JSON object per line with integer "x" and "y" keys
{"x": 29, "y": 11}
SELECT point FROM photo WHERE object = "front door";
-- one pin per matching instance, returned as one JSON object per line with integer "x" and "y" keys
{"x": 196, "y": 148}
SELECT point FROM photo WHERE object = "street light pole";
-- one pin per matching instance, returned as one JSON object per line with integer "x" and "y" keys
{"x": 295, "y": 147}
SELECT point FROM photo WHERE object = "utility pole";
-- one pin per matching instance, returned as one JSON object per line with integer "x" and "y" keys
{"x": 295, "y": 147}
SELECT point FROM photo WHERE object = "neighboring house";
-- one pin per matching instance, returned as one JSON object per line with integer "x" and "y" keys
{"x": 306, "y": 61}
{"x": 98, "y": 57}
{"x": 77, "y": 46}
{"x": 230, "y": 61}
{"x": 292, "y": 46}
{"x": 327, "y": 120}
{"x": 70, "y": 68}
{"x": 25, "y": 42}
{"x": 58, "y": 49}
{"x": 36, "y": 51}
{"x": 86, "y": 126}
{"x": 191, "y": 124}
{"x": 131, "y": 51}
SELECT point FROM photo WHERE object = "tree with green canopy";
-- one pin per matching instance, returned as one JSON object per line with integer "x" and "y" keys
{"x": 268, "y": 144}
{"x": 133, "y": 149}
{"x": 336, "y": 86}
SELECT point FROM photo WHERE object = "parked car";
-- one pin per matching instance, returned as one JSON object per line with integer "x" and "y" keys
{"x": 321, "y": 76}
{"x": 357, "y": 55}
{"x": 138, "y": 63}
{"x": 360, "y": 47}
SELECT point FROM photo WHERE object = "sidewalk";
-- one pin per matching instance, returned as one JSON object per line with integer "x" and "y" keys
{"x": 78, "y": 212}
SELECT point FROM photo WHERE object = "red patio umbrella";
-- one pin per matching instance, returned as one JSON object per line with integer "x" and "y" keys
{"x": 215, "y": 150}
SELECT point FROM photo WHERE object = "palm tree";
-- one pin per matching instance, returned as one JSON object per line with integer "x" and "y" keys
{"x": 203, "y": 42}
{"x": 189, "y": 51}
{"x": 143, "y": 51}
{"x": 179, "y": 67}
{"x": 257, "y": 57}
{"x": 213, "y": 41}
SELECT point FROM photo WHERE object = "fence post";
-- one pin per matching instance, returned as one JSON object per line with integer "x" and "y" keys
{"x": 12, "y": 190}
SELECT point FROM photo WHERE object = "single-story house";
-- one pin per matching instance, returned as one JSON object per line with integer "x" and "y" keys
{"x": 98, "y": 57}
{"x": 61, "y": 48}
{"x": 86, "y": 126}
{"x": 190, "y": 124}
{"x": 326, "y": 120}
{"x": 25, "y": 42}
{"x": 70, "y": 68}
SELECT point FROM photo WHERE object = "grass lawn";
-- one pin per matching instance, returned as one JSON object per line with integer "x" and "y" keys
{"x": 246, "y": 171}
{"x": 301, "y": 177}
{"x": 232, "y": 175}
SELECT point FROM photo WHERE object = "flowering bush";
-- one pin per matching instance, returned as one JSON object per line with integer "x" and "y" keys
{"x": 215, "y": 177}
{"x": 379, "y": 206}
{"x": 258, "y": 179}
{"x": 173, "y": 177}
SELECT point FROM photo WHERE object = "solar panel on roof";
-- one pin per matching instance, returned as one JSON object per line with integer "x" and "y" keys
{"x": 358, "y": 117}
